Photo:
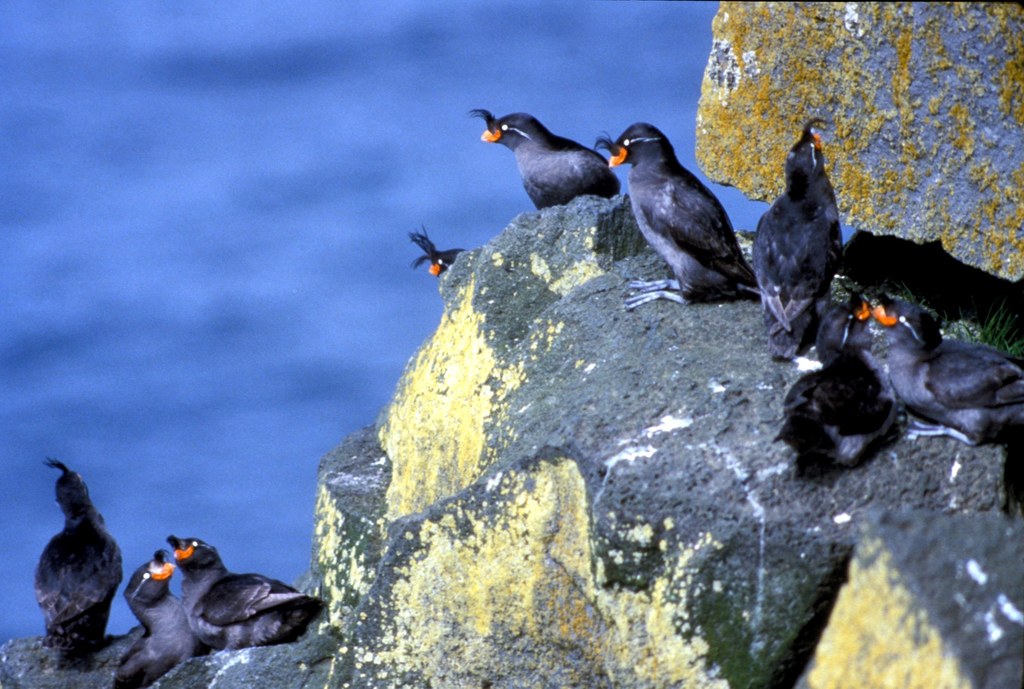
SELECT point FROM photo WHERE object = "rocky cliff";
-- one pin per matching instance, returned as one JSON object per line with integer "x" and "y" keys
{"x": 925, "y": 104}
{"x": 566, "y": 494}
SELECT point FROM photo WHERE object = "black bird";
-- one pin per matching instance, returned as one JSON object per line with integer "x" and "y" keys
{"x": 797, "y": 250}
{"x": 440, "y": 261}
{"x": 168, "y": 639}
{"x": 681, "y": 220}
{"x": 555, "y": 170}
{"x": 839, "y": 411}
{"x": 971, "y": 392}
{"x": 78, "y": 572}
{"x": 233, "y": 611}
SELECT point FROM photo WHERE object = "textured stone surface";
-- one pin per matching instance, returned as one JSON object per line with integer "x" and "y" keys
{"x": 925, "y": 103}
{"x": 577, "y": 495}
{"x": 27, "y": 664}
{"x": 931, "y": 602}
{"x": 665, "y": 539}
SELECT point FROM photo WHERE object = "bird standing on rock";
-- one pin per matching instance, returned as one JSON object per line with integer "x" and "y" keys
{"x": 440, "y": 261}
{"x": 555, "y": 170}
{"x": 681, "y": 220}
{"x": 168, "y": 639}
{"x": 234, "y": 611}
{"x": 971, "y": 392}
{"x": 838, "y": 412}
{"x": 797, "y": 250}
{"x": 78, "y": 572}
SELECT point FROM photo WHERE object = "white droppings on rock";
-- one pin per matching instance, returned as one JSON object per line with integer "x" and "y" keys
{"x": 974, "y": 571}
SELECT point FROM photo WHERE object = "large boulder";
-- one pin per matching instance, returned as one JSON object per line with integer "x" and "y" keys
{"x": 925, "y": 104}
{"x": 566, "y": 493}
{"x": 585, "y": 496}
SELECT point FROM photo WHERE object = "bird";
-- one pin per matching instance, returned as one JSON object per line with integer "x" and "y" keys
{"x": 798, "y": 249}
{"x": 839, "y": 411}
{"x": 440, "y": 261}
{"x": 168, "y": 639}
{"x": 555, "y": 170}
{"x": 682, "y": 221}
{"x": 232, "y": 611}
{"x": 968, "y": 391}
{"x": 78, "y": 572}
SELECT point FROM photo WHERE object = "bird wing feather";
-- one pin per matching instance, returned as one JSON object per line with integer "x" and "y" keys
{"x": 237, "y": 597}
{"x": 975, "y": 376}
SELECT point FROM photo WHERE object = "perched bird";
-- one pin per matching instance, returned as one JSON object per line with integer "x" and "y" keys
{"x": 440, "y": 261}
{"x": 168, "y": 639}
{"x": 971, "y": 392}
{"x": 682, "y": 220}
{"x": 797, "y": 250}
{"x": 555, "y": 170}
{"x": 233, "y": 611}
{"x": 78, "y": 572}
{"x": 839, "y": 411}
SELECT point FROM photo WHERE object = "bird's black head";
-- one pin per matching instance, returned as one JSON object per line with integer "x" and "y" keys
{"x": 640, "y": 142}
{"x": 72, "y": 493}
{"x": 440, "y": 261}
{"x": 844, "y": 327}
{"x": 511, "y": 130}
{"x": 908, "y": 323}
{"x": 193, "y": 554}
{"x": 150, "y": 581}
{"x": 806, "y": 157}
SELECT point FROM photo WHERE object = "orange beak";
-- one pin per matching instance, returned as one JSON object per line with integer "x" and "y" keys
{"x": 863, "y": 312}
{"x": 184, "y": 554}
{"x": 164, "y": 572}
{"x": 882, "y": 317}
{"x": 619, "y": 158}
{"x": 435, "y": 269}
{"x": 491, "y": 137}
{"x": 817, "y": 141}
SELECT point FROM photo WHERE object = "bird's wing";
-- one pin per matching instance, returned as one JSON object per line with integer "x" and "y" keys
{"x": 237, "y": 597}
{"x": 966, "y": 375}
{"x": 64, "y": 591}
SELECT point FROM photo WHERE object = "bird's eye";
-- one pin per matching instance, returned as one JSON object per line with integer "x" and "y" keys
{"x": 903, "y": 319}
{"x": 625, "y": 142}
{"x": 145, "y": 575}
{"x": 504, "y": 127}
{"x": 195, "y": 544}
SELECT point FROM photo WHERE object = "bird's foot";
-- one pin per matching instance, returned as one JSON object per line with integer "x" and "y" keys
{"x": 653, "y": 285}
{"x": 919, "y": 429}
{"x": 652, "y": 290}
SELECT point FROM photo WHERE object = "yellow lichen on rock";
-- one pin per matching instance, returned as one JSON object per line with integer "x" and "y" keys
{"x": 914, "y": 96}
{"x": 879, "y": 635}
{"x": 522, "y": 569}
{"x": 434, "y": 429}
{"x": 344, "y": 574}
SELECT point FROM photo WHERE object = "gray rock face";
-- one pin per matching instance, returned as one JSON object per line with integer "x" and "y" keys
{"x": 925, "y": 111}
{"x": 564, "y": 493}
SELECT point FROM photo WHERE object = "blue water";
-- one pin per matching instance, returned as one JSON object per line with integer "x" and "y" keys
{"x": 204, "y": 273}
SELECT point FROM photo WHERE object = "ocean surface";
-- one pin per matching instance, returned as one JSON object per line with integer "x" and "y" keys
{"x": 204, "y": 271}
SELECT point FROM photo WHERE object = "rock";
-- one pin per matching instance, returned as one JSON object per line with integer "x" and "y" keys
{"x": 584, "y": 496}
{"x": 307, "y": 663}
{"x": 564, "y": 493}
{"x": 925, "y": 107}
{"x": 27, "y": 664}
{"x": 931, "y": 602}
